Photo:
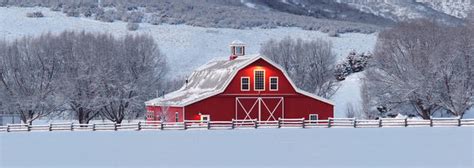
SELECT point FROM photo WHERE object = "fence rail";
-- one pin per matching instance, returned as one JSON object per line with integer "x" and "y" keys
{"x": 242, "y": 124}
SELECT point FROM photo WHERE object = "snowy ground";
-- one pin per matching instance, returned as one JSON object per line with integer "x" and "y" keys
{"x": 348, "y": 93}
{"x": 335, "y": 147}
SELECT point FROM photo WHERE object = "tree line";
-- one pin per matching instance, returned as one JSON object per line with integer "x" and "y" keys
{"x": 87, "y": 74}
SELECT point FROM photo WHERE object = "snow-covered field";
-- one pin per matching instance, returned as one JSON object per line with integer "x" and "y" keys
{"x": 336, "y": 147}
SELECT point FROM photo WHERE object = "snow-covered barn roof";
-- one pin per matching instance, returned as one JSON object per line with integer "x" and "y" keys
{"x": 237, "y": 42}
{"x": 212, "y": 79}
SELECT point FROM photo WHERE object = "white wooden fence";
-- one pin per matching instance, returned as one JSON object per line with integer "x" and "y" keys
{"x": 238, "y": 124}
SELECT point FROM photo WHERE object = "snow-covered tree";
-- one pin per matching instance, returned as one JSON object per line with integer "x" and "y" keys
{"x": 136, "y": 69}
{"x": 84, "y": 73}
{"x": 422, "y": 65}
{"x": 455, "y": 72}
{"x": 309, "y": 63}
{"x": 354, "y": 62}
{"x": 30, "y": 73}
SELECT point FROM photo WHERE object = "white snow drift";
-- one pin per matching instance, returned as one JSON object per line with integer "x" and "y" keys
{"x": 286, "y": 147}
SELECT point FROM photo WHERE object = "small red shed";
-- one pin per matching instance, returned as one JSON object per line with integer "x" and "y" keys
{"x": 243, "y": 87}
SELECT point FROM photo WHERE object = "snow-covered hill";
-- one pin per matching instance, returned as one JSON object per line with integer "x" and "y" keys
{"x": 404, "y": 10}
{"x": 186, "y": 46}
{"x": 379, "y": 12}
{"x": 456, "y": 8}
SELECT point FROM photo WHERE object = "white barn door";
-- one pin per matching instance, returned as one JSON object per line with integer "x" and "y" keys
{"x": 260, "y": 108}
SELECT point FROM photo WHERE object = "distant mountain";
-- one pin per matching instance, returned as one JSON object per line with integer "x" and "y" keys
{"x": 325, "y": 9}
{"x": 456, "y": 8}
{"x": 333, "y": 16}
{"x": 401, "y": 10}
{"x": 379, "y": 12}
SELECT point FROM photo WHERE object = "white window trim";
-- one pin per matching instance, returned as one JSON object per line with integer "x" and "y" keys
{"x": 317, "y": 117}
{"x": 248, "y": 88}
{"x": 270, "y": 83}
{"x": 206, "y": 115}
{"x": 255, "y": 80}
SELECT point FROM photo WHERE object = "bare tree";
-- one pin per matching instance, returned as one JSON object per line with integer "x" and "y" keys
{"x": 164, "y": 114}
{"x": 367, "y": 111}
{"x": 30, "y": 73}
{"x": 420, "y": 64}
{"x": 455, "y": 74}
{"x": 309, "y": 63}
{"x": 136, "y": 69}
{"x": 84, "y": 70}
{"x": 85, "y": 73}
{"x": 351, "y": 111}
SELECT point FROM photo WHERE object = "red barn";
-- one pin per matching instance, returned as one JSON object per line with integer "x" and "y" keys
{"x": 243, "y": 87}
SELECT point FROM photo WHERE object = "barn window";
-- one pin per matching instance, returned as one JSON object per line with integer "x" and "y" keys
{"x": 176, "y": 116}
{"x": 259, "y": 81}
{"x": 239, "y": 51}
{"x": 205, "y": 118}
{"x": 313, "y": 117}
{"x": 150, "y": 115}
{"x": 245, "y": 83}
{"x": 274, "y": 83}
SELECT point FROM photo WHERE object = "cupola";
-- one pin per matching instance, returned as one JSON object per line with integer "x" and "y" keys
{"x": 237, "y": 48}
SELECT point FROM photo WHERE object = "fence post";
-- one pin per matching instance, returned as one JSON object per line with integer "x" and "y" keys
{"x": 161, "y": 125}
{"x": 139, "y": 127}
{"x": 8, "y": 128}
{"x": 380, "y": 122}
{"x": 279, "y": 122}
{"x": 233, "y": 125}
{"x": 93, "y": 127}
{"x": 329, "y": 122}
{"x": 50, "y": 127}
{"x": 406, "y": 122}
{"x": 208, "y": 125}
{"x": 115, "y": 126}
{"x": 355, "y": 123}
{"x": 72, "y": 126}
{"x": 459, "y": 122}
{"x": 431, "y": 122}
{"x": 28, "y": 127}
{"x": 184, "y": 125}
{"x": 255, "y": 122}
{"x": 302, "y": 123}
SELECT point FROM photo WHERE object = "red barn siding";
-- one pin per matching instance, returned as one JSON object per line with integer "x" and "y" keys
{"x": 220, "y": 108}
{"x": 171, "y": 113}
{"x": 284, "y": 85}
{"x": 301, "y": 106}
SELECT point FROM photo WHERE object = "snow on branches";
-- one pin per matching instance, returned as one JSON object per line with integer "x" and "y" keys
{"x": 86, "y": 74}
{"x": 423, "y": 67}
{"x": 354, "y": 62}
{"x": 309, "y": 63}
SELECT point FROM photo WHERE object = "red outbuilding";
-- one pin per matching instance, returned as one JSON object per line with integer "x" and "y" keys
{"x": 243, "y": 87}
